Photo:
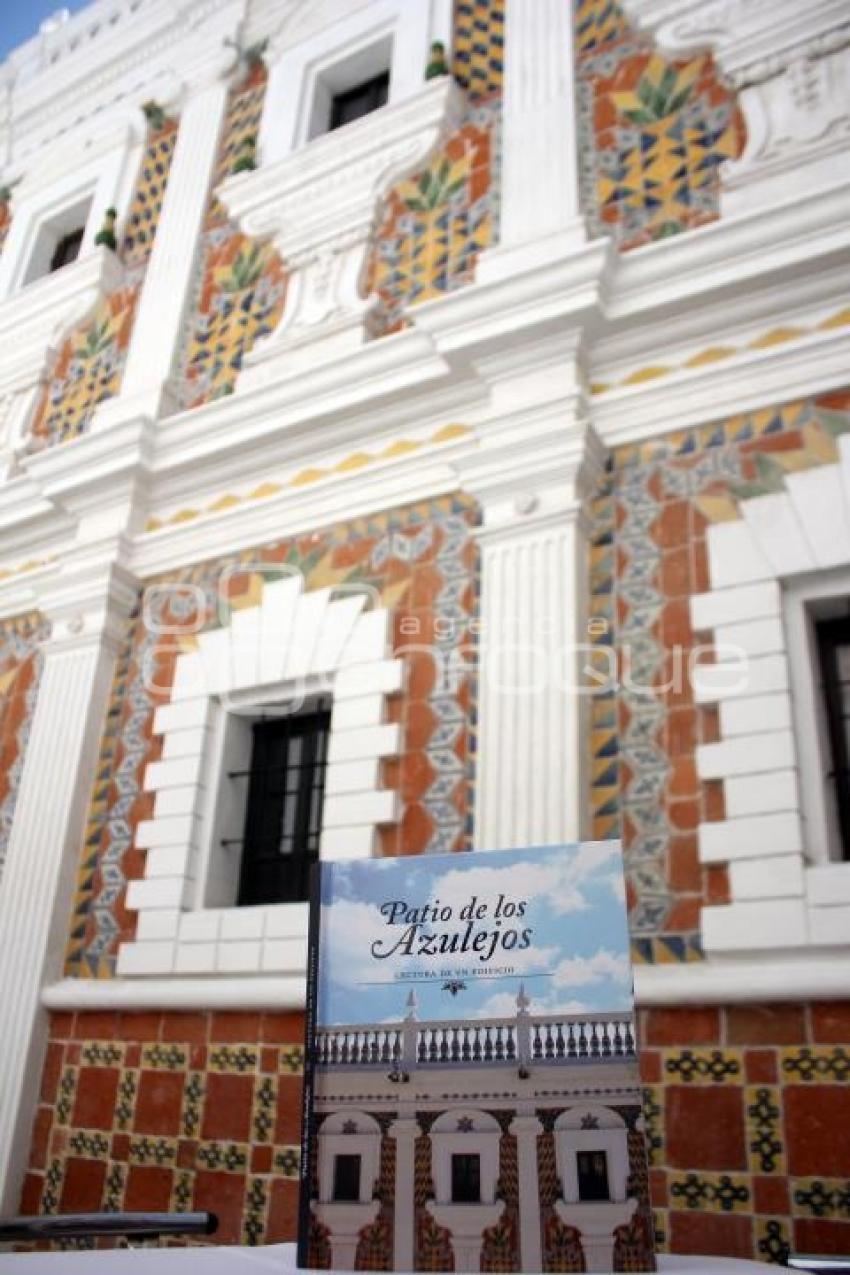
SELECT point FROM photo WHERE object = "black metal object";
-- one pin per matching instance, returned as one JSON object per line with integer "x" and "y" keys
{"x": 84, "y": 1226}
{"x": 833, "y": 638}
{"x": 67, "y": 249}
{"x": 283, "y": 814}
{"x": 359, "y": 101}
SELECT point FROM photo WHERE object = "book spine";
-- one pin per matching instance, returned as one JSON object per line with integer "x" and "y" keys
{"x": 310, "y": 1017}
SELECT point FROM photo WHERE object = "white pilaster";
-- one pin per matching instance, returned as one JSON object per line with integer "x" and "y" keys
{"x": 535, "y": 469}
{"x": 526, "y": 1130}
{"x": 161, "y": 316}
{"x": 38, "y": 881}
{"x": 404, "y": 1132}
{"x": 540, "y": 213}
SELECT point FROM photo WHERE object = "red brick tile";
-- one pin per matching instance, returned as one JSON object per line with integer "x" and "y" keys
{"x": 760, "y": 1066}
{"x": 683, "y": 781}
{"x": 82, "y": 1186}
{"x": 140, "y": 1027}
{"x": 61, "y": 1026}
{"x": 676, "y": 576}
{"x": 95, "y": 1026}
{"x": 821, "y": 1235}
{"x": 227, "y": 1107}
{"x": 187, "y": 1150}
{"x": 283, "y": 1213}
{"x": 698, "y": 1026}
{"x": 31, "y": 1194}
{"x": 711, "y": 1233}
{"x": 158, "y": 1102}
{"x": 716, "y": 889}
{"x": 148, "y": 1188}
{"x": 831, "y": 1023}
{"x": 650, "y": 1066}
{"x": 222, "y": 1194}
{"x": 684, "y": 815}
{"x": 713, "y": 801}
{"x": 705, "y": 1128}
{"x": 188, "y": 1028}
{"x": 671, "y": 528}
{"x": 288, "y": 1115}
{"x": 51, "y": 1072}
{"x": 816, "y": 1124}
{"x": 771, "y": 1195}
{"x": 261, "y": 1159}
{"x": 658, "y": 1188}
{"x": 41, "y": 1127}
{"x": 235, "y": 1027}
{"x": 95, "y": 1102}
{"x": 765, "y": 1025}
{"x": 283, "y": 1029}
{"x": 684, "y": 870}
{"x": 120, "y": 1146}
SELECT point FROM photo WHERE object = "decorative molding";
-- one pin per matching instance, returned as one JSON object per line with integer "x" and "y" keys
{"x": 319, "y": 205}
{"x": 288, "y": 648}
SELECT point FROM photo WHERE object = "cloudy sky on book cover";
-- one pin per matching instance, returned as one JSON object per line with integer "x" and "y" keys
{"x": 552, "y": 920}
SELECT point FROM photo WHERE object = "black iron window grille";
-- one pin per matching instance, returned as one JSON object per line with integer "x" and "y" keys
{"x": 67, "y": 249}
{"x": 347, "y": 1178}
{"x": 283, "y": 812}
{"x": 592, "y": 1169}
{"x": 361, "y": 100}
{"x": 833, "y": 638}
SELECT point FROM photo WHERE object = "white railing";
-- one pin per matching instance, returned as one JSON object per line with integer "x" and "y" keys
{"x": 523, "y": 1039}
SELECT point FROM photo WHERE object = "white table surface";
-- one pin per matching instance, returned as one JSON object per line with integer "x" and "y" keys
{"x": 211, "y": 1260}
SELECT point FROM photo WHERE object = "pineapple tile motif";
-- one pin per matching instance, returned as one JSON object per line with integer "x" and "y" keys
{"x": 241, "y": 285}
{"x": 91, "y": 361}
{"x": 653, "y": 131}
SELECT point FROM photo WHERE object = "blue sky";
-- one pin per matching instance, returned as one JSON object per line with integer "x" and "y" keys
{"x": 573, "y": 905}
{"x": 20, "y": 19}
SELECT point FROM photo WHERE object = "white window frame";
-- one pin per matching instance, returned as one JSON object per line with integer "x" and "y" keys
{"x": 100, "y": 172}
{"x": 806, "y": 600}
{"x": 296, "y": 75}
{"x": 287, "y": 647}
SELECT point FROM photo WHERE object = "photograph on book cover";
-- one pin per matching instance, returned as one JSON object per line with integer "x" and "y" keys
{"x": 472, "y": 1098}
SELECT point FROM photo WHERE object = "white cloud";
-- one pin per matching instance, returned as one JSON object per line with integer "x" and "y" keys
{"x": 603, "y": 966}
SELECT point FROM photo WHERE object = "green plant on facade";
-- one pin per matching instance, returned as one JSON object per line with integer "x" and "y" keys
{"x": 105, "y": 237}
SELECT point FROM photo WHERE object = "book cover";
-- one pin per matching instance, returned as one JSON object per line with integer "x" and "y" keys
{"x": 471, "y": 1098}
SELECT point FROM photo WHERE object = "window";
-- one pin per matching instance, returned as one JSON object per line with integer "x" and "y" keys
{"x": 361, "y": 100}
{"x": 466, "y": 1179}
{"x": 833, "y": 642}
{"x": 347, "y": 1178}
{"x": 58, "y": 241}
{"x": 347, "y": 89}
{"x": 67, "y": 249}
{"x": 283, "y": 812}
{"x": 592, "y": 1168}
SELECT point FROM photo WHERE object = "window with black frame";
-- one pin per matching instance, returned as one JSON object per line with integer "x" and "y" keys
{"x": 466, "y": 1179}
{"x": 283, "y": 815}
{"x": 592, "y": 1170}
{"x": 354, "y": 103}
{"x": 833, "y": 639}
{"x": 346, "y": 1188}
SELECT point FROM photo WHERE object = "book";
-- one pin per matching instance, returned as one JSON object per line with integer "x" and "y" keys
{"x": 471, "y": 1097}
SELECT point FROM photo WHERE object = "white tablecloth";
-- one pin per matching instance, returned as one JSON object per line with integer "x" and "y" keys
{"x": 277, "y": 1258}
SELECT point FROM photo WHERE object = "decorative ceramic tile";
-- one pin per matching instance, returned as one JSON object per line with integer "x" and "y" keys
{"x": 765, "y": 1147}
{"x": 20, "y": 670}
{"x": 5, "y": 220}
{"x": 815, "y": 1064}
{"x": 478, "y": 46}
{"x": 703, "y": 1066}
{"x": 241, "y": 285}
{"x": 652, "y": 131}
{"x": 433, "y": 226}
{"x": 774, "y": 1238}
{"x": 426, "y": 574}
{"x": 91, "y": 361}
{"x": 821, "y": 1197}
{"x": 716, "y": 1192}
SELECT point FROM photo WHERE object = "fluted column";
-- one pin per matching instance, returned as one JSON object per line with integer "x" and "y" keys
{"x": 540, "y": 212}
{"x": 162, "y": 311}
{"x": 526, "y": 1130}
{"x": 44, "y": 845}
{"x": 404, "y": 1131}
